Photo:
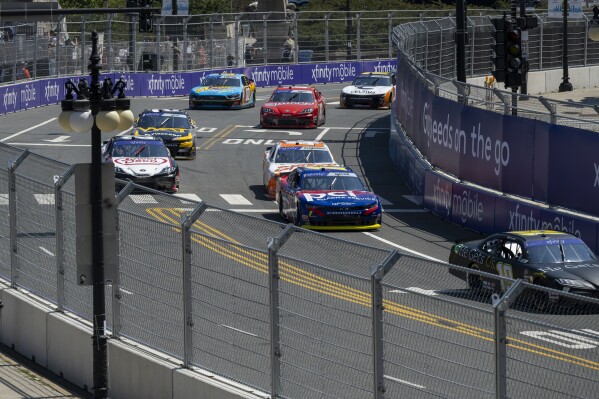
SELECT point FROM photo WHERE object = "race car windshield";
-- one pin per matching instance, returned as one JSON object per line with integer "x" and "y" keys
{"x": 163, "y": 121}
{"x": 220, "y": 81}
{"x": 286, "y": 96}
{"x": 558, "y": 253}
{"x": 372, "y": 81}
{"x": 350, "y": 183}
{"x": 137, "y": 150}
{"x": 303, "y": 156}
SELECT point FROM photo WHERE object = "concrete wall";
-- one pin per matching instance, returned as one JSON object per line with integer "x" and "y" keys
{"x": 63, "y": 345}
{"x": 540, "y": 82}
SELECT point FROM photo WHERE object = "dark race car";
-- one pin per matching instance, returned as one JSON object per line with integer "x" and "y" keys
{"x": 548, "y": 258}
{"x": 143, "y": 160}
{"x": 294, "y": 106}
{"x": 331, "y": 198}
{"x": 174, "y": 127}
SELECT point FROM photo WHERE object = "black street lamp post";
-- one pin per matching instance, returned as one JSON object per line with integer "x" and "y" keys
{"x": 348, "y": 29}
{"x": 565, "y": 85}
{"x": 96, "y": 106}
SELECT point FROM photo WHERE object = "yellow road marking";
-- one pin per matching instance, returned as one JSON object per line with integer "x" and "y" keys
{"x": 300, "y": 277}
{"x": 213, "y": 140}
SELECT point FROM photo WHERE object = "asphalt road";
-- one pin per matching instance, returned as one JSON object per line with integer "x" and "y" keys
{"x": 227, "y": 173}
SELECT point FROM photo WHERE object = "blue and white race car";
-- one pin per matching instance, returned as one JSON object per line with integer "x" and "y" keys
{"x": 224, "y": 90}
{"x": 331, "y": 198}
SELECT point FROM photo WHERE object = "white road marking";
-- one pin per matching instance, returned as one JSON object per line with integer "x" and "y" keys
{"x": 403, "y": 248}
{"x": 372, "y": 133}
{"x": 205, "y": 129}
{"x": 28, "y": 129}
{"x": 416, "y": 289}
{"x": 124, "y": 291}
{"x": 324, "y": 131}
{"x": 59, "y": 139}
{"x": 44, "y": 199}
{"x": 235, "y": 199}
{"x": 191, "y": 197}
{"x": 143, "y": 199}
{"x": 3, "y": 199}
{"x": 46, "y": 251}
{"x": 333, "y": 103}
{"x": 404, "y": 382}
{"x": 412, "y": 198}
{"x": 238, "y": 330}
{"x": 243, "y": 210}
{"x": 290, "y": 132}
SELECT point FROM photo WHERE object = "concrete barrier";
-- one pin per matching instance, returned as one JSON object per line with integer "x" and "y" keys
{"x": 62, "y": 344}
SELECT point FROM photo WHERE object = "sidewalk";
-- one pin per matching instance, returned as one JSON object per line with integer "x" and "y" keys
{"x": 21, "y": 378}
{"x": 589, "y": 96}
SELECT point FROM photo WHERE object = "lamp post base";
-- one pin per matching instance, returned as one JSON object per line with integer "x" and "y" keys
{"x": 565, "y": 86}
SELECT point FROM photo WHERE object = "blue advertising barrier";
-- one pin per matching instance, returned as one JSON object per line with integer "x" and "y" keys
{"x": 517, "y": 156}
{"x": 35, "y": 93}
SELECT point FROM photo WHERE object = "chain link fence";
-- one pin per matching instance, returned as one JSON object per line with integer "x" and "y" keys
{"x": 290, "y": 312}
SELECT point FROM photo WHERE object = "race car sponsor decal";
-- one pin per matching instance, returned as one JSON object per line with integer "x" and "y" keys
{"x": 335, "y": 194}
{"x": 140, "y": 161}
{"x": 289, "y": 168}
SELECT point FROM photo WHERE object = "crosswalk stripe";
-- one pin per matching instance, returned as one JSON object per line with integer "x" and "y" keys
{"x": 3, "y": 199}
{"x": 143, "y": 199}
{"x": 191, "y": 197}
{"x": 235, "y": 199}
{"x": 44, "y": 199}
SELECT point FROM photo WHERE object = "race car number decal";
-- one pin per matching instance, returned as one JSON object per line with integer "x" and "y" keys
{"x": 505, "y": 270}
{"x": 140, "y": 161}
{"x": 312, "y": 197}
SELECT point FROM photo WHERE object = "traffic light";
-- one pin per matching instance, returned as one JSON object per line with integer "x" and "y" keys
{"x": 146, "y": 22}
{"x": 515, "y": 62}
{"x": 500, "y": 56}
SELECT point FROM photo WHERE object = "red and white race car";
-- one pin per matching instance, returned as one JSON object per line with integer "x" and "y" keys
{"x": 286, "y": 155}
{"x": 294, "y": 106}
{"x": 144, "y": 160}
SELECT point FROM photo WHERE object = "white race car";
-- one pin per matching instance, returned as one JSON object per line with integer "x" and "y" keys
{"x": 372, "y": 89}
{"x": 286, "y": 155}
{"x": 144, "y": 160}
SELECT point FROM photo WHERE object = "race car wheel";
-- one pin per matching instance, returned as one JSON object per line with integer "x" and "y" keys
{"x": 281, "y": 213}
{"x": 475, "y": 281}
{"x": 298, "y": 217}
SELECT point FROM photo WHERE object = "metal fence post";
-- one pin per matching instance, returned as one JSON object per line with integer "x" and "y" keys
{"x": 15, "y": 54}
{"x": 500, "y": 306}
{"x": 551, "y": 107}
{"x": 82, "y": 43}
{"x": 237, "y": 55}
{"x": 59, "y": 237}
{"x": 504, "y": 100}
{"x": 586, "y": 40}
{"x": 186, "y": 42}
{"x": 358, "y": 49}
{"x": 186, "y": 224}
{"x": 541, "y": 43}
{"x": 377, "y": 273}
{"x": 440, "y": 46}
{"x": 274, "y": 244}
{"x": 35, "y": 51}
{"x": 12, "y": 207}
{"x": 390, "y": 32}
{"x": 109, "y": 43}
{"x": 472, "y": 40}
{"x": 264, "y": 40}
{"x": 326, "y": 37}
{"x": 425, "y": 47}
{"x": 158, "y": 44}
{"x": 57, "y": 54}
{"x": 296, "y": 40}
{"x": 117, "y": 295}
{"x": 211, "y": 41}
